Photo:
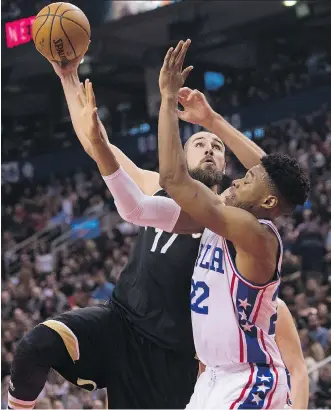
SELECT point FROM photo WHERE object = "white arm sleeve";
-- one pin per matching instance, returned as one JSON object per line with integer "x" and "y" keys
{"x": 140, "y": 209}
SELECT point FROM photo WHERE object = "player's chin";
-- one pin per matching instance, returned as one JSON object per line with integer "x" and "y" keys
{"x": 229, "y": 200}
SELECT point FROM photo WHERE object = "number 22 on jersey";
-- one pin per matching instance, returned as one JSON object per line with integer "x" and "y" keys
{"x": 199, "y": 294}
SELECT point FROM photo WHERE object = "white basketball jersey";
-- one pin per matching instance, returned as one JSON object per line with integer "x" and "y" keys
{"x": 233, "y": 320}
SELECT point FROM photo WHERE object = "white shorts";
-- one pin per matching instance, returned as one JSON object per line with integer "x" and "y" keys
{"x": 241, "y": 386}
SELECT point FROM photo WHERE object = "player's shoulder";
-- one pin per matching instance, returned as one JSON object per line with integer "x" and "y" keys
{"x": 270, "y": 231}
{"x": 281, "y": 304}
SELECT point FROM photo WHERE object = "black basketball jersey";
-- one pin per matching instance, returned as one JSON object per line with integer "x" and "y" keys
{"x": 154, "y": 287}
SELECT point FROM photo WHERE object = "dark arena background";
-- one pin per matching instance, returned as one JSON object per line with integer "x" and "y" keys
{"x": 263, "y": 65}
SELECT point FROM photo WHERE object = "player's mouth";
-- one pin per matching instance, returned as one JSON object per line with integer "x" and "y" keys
{"x": 209, "y": 160}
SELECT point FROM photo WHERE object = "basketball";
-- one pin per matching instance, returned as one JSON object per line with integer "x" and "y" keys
{"x": 61, "y": 32}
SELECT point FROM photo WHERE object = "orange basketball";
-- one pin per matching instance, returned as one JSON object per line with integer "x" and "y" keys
{"x": 61, "y": 32}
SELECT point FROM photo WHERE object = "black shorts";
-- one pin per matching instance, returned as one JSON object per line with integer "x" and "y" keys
{"x": 106, "y": 351}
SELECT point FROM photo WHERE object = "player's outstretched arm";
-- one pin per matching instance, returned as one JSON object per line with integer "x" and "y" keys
{"x": 288, "y": 342}
{"x": 192, "y": 196}
{"x": 198, "y": 111}
{"x": 132, "y": 204}
{"x": 148, "y": 181}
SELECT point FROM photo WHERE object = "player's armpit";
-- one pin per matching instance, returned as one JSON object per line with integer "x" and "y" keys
{"x": 288, "y": 343}
{"x": 234, "y": 224}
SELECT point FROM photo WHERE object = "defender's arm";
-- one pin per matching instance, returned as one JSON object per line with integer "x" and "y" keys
{"x": 198, "y": 200}
{"x": 288, "y": 342}
{"x": 197, "y": 110}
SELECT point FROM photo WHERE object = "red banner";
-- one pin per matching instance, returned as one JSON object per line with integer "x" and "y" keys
{"x": 19, "y": 31}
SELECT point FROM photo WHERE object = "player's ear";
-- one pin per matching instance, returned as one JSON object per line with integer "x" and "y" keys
{"x": 270, "y": 202}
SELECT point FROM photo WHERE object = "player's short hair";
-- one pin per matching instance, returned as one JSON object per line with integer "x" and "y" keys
{"x": 287, "y": 179}
{"x": 186, "y": 144}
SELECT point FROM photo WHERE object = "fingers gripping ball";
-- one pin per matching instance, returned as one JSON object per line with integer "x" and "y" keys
{"x": 61, "y": 32}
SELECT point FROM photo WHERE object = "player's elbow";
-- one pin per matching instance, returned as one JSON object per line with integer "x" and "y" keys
{"x": 126, "y": 217}
{"x": 131, "y": 219}
{"x": 135, "y": 217}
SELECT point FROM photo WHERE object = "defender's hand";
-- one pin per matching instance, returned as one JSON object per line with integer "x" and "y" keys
{"x": 89, "y": 114}
{"x": 172, "y": 75}
{"x": 196, "y": 107}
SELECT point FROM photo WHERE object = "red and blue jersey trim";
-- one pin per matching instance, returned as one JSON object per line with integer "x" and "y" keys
{"x": 259, "y": 390}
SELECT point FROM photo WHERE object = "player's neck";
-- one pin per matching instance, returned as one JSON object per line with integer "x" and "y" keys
{"x": 263, "y": 215}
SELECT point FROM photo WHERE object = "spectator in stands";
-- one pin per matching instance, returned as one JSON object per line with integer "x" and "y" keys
{"x": 7, "y": 304}
{"x": 57, "y": 404}
{"x": 323, "y": 391}
{"x": 328, "y": 347}
{"x": 319, "y": 333}
{"x": 104, "y": 289}
{"x": 44, "y": 403}
{"x": 310, "y": 347}
{"x": 324, "y": 315}
{"x": 44, "y": 259}
{"x": 35, "y": 303}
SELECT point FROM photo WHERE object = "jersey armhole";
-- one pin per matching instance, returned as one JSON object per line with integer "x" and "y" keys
{"x": 231, "y": 253}
{"x": 274, "y": 230}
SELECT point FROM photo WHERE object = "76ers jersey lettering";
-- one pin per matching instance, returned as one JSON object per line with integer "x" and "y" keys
{"x": 233, "y": 320}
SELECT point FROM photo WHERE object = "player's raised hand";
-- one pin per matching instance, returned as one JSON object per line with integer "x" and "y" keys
{"x": 89, "y": 111}
{"x": 196, "y": 107}
{"x": 64, "y": 69}
{"x": 172, "y": 76}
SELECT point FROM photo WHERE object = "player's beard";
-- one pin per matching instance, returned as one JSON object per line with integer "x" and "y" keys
{"x": 209, "y": 176}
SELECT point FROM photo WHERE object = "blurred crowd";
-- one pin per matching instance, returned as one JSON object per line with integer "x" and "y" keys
{"x": 36, "y": 135}
{"x": 87, "y": 273}
{"x": 306, "y": 270}
{"x": 16, "y": 9}
{"x": 29, "y": 208}
{"x": 287, "y": 74}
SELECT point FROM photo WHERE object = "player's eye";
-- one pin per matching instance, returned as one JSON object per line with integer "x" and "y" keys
{"x": 199, "y": 144}
{"x": 217, "y": 147}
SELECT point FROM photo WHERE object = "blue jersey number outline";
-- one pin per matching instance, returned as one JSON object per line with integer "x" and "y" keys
{"x": 196, "y": 305}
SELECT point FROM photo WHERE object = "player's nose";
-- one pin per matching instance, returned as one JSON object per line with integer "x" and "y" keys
{"x": 235, "y": 183}
{"x": 209, "y": 151}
